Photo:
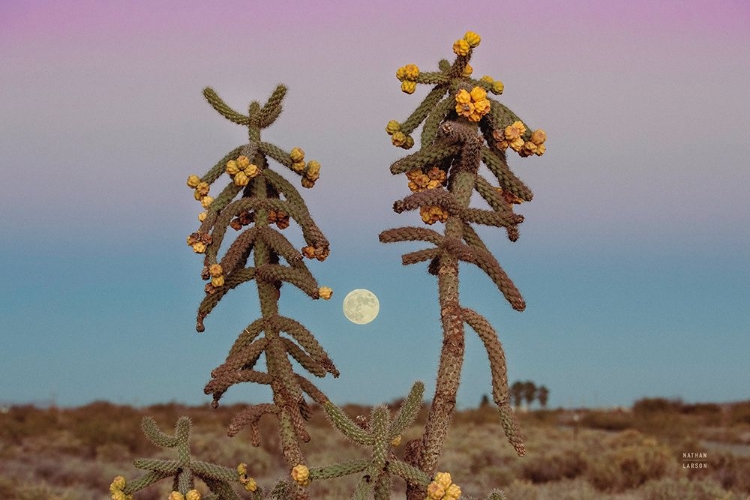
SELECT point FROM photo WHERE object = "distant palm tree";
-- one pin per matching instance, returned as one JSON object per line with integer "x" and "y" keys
{"x": 516, "y": 391}
{"x": 542, "y": 394}
{"x": 529, "y": 392}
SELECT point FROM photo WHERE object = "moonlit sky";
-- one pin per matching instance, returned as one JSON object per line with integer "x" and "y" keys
{"x": 634, "y": 258}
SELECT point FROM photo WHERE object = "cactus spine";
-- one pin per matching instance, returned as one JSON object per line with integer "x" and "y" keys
{"x": 463, "y": 128}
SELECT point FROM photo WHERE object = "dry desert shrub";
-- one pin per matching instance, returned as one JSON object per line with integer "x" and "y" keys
{"x": 685, "y": 489}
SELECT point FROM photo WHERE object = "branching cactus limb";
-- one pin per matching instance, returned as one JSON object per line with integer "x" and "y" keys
{"x": 463, "y": 129}
{"x": 380, "y": 433}
{"x": 258, "y": 203}
{"x": 183, "y": 470}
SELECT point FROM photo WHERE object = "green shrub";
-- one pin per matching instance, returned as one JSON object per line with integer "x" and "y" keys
{"x": 629, "y": 466}
{"x": 684, "y": 489}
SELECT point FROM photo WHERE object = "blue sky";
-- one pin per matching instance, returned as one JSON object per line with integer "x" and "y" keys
{"x": 634, "y": 258}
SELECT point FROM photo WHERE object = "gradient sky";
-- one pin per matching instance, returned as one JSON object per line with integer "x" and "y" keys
{"x": 634, "y": 258}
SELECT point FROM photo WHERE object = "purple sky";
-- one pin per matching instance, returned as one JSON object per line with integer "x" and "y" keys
{"x": 636, "y": 242}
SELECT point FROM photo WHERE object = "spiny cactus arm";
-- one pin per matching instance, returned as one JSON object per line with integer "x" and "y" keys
{"x": 383, "y": 487}
{"x": 408, "y": 411}
{"x": 155, "y": 435}
{"x": 491, "y": 195}
{"x": 347, "y": 427}
{"x": 428, "y": 155}
{"x": 208, "y": 303}
{"x": 307, "y": 341}
{"x": 248, "y": 335}
{"x": 424, "y": 109}
{"x": 508, "y": 181}
{"x": 499, "y": 372}
{"x": 272, "y": 108}
{"x": 224, "y": 379}
{"x": 306, "y": 361}
{"x": 250, "y": 416}
{"x": 276, "y": 272}
{"x": 365, "y": 486}
{"x": 245, "y": 357}
{"x": 207, "y": 470}
{"x": 490, "y": 217}
{"x": 223, "y": 491}
{"x": 279, "y": 244}
{"x": 438, "y": 196}
{"x": 276, "y": 153}
{"x": 487, "y": 263}
{"x": 440, "y": 112}
{"x": 339, "y": 470}
{"x": 220, "y": 166}
{"x": 420, "y": 256}
{"x": 165, "y": 467}
{"x": 311, "y": 390}
{"x": 237, "y": 254}
{"x": 410, "y": 234}
{"x": 226, "y": 196}
{"x": 144, "y": 481}
{"x": 283, "y": 186}
{"x": 408, "y": 472}
{"x": 223, "y": 109}
{"x": 502, "y": 116}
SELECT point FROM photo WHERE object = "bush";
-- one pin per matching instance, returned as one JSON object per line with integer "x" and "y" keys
{"x": 607, "y": 420}
{"x": 630, "y": 466}
{"x": 648, "y": 406}
{"x": 740, "y": 413}
{"x": 567, "y": 464}
{"x": 684, "y": 489}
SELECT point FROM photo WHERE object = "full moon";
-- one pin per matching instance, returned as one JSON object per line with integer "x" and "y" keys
{"x": 361, "y": 306}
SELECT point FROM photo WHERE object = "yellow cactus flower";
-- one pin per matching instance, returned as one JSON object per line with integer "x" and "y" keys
{"x": 478, "y": 94}
{"x": 241, "y": 179}
{"x": 453, "y": 492}
{"x": 401, "y": 73}
{"x": 463, "y": 97}
{"x": 461, "y": 47}
{"x": 117, "y": 484}
{"x": 298, "y": 166}
{"x": 193, "y": 181}
{"x": 408, "y": 86}
{"x": 431, "y": 215}
{"x": 242, "y": 469}
{"x": 297, "y": 154}
{"x": 436, "y": 173}
{"x": 392, "y": 127}
{"x": 325, "y": 292}
{"x": 252, "y": 170}
{"x": 487, "y": 79}
{"x": 468, "y": 70}
{"x": 396, "y": 441}
{"x": 497, "y": 87}
{"x": 540, "y": 149}
{"x": 465, "y": 110}
{"x": 514, "y": 131}
{"x": 206, "y": 201}
{"x": 408, "y": 143}
{"x": 312, "y": 171}
{"x": 433, "y": 184}
{"x": 199, "y": 247}
{"x": 398, "y": 139}
{"x": 301, "y": 475}
{"x": 411, "y": 72}
{"x": 482, "y": 107}
{"x": 444, "y": 479}
{"x": 193, "y": 495}
{"x": 202, "y": 188}
{"x": 119, "y": 495}
{"x": 538, "y": 137}
{"x": 472, "y": 39}
{"x": 243, "y": 161}
{"x": 308, "y": 252}
{"x": 176, "y": 495}
{"x": 232, "y": 167}
{"x": 202, "y": 216}
{"x": 435, "y": 491}
{"x": 307, "y": 183}
{"x": 528, "y": 149}
{"x": 250, "y": 484}
{"x": 215, "y": 270}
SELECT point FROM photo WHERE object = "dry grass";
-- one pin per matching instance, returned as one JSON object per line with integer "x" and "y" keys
{"x": 68, "y": 454}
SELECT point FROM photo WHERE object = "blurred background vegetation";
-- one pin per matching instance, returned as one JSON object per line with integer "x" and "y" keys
{"x": 620, "y": 453}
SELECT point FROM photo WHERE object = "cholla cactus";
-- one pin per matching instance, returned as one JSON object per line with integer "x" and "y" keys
{"x": 463, "y": 128}
{"x": 380, "y": 433}
{"x": 183, "y": 470}
{"x": 265, "y": 198}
